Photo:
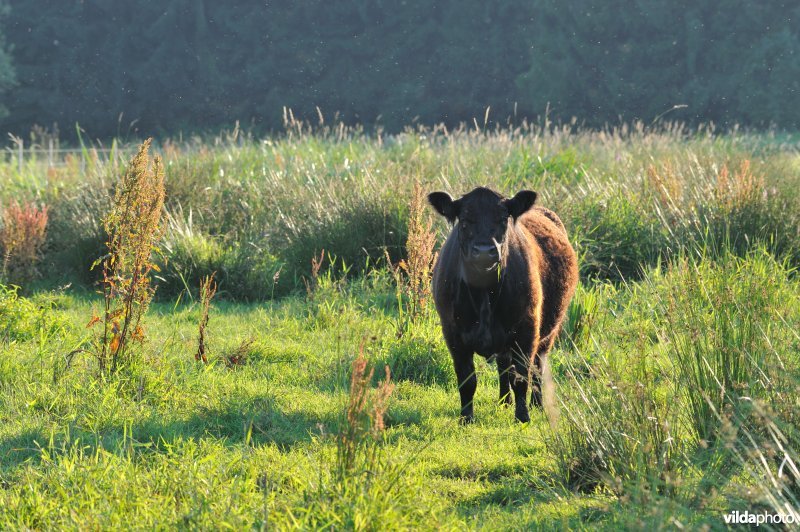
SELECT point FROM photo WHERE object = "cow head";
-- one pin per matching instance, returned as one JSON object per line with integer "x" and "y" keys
{"x": 482, "y": 222}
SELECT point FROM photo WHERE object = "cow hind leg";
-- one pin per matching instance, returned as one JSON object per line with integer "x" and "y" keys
{"x": 541, "y": 378}
{"x": 503, "y": 372}
{"x": 536, "y": 383}
{"x": 519, "y": 383}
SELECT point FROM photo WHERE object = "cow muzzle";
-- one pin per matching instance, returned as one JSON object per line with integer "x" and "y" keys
{"x": 484, "y": 256}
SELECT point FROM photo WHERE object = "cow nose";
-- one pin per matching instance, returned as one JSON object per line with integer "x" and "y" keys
{"x": 484, "y": 250}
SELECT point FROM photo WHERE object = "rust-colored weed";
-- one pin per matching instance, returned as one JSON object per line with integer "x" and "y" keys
{"x": 238, "y": 357}
{"x": 413, "y": 274}
{"x": 22, "y": 234}
{"x": 419, "y": 249}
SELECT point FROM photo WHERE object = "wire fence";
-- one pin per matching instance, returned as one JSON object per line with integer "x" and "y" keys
{"x": 55, "y": 156}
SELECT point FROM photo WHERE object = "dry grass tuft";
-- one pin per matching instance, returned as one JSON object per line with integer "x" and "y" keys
{"x": 740, "y": 188}
{"x": 208, "y": 288}
{"x": 364, "y": 416}
{"x": 313, "y": 282}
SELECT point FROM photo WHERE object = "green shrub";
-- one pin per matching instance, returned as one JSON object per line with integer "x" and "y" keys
{"x": 614, "y": 239}
{"x": 244, "y": 271}
{"x": 354, "y": 235}
{"x": 187, "y": 256}
{"x": 75, "y": 238}
{"x": 23, "y": 319}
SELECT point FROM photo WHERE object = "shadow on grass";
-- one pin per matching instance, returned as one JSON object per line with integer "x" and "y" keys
{"x": 257, "y": 423}
{"x": 260, "y": 422}
{"x": 511, "y": 494}
{"x": 23, "y": 447}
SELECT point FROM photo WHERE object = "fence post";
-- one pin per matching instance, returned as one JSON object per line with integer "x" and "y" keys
{"x": 50, "y": 153}
{"x": 20, "y": 153}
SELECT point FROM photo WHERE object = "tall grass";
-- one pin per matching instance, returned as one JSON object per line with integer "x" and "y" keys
{"x": 249, "y": 208}
{"x": 702, "y": 392}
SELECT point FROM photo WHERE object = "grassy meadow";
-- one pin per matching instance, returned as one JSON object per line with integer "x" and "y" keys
{"x": 677, "y": 371}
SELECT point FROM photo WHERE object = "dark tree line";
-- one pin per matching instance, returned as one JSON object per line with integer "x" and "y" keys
{"x": 188, "y": 65}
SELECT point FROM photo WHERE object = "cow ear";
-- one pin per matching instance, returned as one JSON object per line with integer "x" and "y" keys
{"x": 520, "y": 203}
{"x": 444, "y": 205}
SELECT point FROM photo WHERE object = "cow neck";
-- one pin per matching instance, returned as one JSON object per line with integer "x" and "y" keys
{"x": 485, "y": 305}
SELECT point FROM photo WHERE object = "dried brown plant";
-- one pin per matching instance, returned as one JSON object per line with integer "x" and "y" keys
{"x": 208, "y": 288}
{"x": 239, "y": 355}
{"x": 413, "y": 274}
{"x": 364, "y": 415}
{"x": 134, "y": 226}
{"x": 313, "y": 282}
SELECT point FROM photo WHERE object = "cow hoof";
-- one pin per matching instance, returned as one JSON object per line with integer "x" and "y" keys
{"x": 506, "y": 400}
{"x": 466, "y": 420}
{"x": 522, "y": 416}
{"x": 536, "y": 399}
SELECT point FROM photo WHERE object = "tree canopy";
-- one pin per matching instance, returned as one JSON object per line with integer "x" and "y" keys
{"x": 189, "y": 65}
{"x": 7, "y": 75}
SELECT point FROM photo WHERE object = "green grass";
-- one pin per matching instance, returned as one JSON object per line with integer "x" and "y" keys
{"x": 172, "y": 442}
{"x": 677, "y": 373}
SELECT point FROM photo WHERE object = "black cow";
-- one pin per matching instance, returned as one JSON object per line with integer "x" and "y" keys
{"x": 502, "y": 285}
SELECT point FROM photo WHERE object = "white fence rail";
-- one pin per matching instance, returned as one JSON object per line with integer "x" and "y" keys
{"x": 53, "y": 155}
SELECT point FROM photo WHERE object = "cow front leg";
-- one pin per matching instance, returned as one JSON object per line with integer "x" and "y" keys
{"x": 467, "y": 384}
{"x": 503, "y": 373}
